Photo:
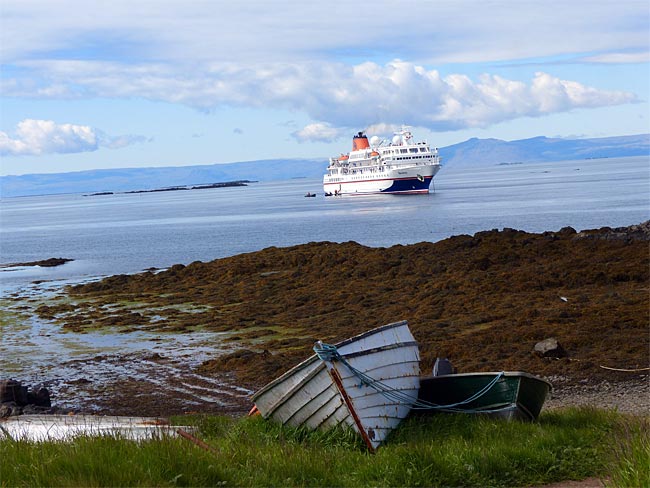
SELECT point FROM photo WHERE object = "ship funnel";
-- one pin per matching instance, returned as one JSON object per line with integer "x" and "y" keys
{"x": 359, "y": 142}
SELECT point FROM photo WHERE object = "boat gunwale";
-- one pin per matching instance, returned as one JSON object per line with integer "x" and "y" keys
{"x": 514, "y": 374}
{"x": 314, "y": 357}
{"x": 378, "y": 349}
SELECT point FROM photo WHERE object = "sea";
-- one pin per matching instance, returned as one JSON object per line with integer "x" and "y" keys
{"x": 127, "y": 233}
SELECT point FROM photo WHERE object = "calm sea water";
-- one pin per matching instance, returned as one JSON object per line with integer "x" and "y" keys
{"x": 126, "y": 233}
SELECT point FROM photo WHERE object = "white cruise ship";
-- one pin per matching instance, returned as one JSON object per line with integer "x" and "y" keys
{"x": 401, "y": 166}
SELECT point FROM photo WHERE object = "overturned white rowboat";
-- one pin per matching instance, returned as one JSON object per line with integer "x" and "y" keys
{"x": 368, "y": 382}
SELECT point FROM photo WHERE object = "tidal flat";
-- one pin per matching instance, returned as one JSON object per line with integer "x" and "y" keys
{"x": 202, "y": 337}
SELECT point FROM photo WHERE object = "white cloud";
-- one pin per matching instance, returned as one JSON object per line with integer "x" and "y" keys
{"x": 254, "y": 31}
{"x": 318, "y": 132}
{"x": 118, "y": 142}
{"x": 619, "y": 58}
{"x": 335, "y": 94}
{"x": 313, "y": 58}
{"x": 36, "y": 137}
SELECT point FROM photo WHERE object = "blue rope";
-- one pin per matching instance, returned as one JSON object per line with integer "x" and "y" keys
{"x": 328, "y": 352}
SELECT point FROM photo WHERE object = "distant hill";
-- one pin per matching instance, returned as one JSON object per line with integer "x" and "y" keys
{"x": 471, "y": 152}
{"x": 538, "y": 149}
{"x": 129, "y": 179}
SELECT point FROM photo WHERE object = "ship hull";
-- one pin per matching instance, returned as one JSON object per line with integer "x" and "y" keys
{"x": 415, "y": 179}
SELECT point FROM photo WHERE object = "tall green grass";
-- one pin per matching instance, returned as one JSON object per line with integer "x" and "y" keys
{"x": 444, "y": 450}
{"x": 631, "y": 449}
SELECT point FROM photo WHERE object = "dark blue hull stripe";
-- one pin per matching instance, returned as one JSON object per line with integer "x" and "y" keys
{"x": 407, "y": 185}
{"x": 400, "y": 185}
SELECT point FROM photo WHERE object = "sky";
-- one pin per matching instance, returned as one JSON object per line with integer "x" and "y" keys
{"x": 138, "y": 83}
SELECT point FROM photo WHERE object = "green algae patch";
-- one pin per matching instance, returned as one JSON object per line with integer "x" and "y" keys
{"x": 12, "y": 318}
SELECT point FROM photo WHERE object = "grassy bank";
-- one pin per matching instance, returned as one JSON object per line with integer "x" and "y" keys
{"x": 437, "y": 451}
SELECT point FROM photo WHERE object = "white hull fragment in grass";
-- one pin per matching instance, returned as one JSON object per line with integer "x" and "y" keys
{"x": 40, "y": 428}
{"x": 368, "y": 382}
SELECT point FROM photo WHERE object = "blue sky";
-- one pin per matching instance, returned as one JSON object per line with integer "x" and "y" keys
{"x": 136, "y": 83}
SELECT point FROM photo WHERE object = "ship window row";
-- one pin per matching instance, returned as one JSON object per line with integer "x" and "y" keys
{"x": 412, "y": 157}
{"x": 334, "y": 180}
{"x": 380, "y": 169}
{"x": 407, "y": 150}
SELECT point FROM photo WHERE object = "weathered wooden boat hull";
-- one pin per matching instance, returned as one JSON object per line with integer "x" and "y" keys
{"x": 515, "y": 395}
{"x": 321, "y": 394}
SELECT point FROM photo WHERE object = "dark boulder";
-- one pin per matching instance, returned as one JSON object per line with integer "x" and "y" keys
{"x": 550, "y": 348}
{"x": 39, "y": 397}
{"x": 16, "y": 399}
{"x": 13, "y": 391}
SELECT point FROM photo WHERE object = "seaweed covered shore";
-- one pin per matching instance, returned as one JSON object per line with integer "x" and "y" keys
{"x": 483, "y": 301}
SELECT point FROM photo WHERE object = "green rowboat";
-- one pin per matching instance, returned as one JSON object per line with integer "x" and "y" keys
{"x": 509, "y": 395}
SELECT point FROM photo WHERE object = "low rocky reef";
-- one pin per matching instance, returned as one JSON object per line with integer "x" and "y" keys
{"x": 483, "y": 301}
{"x": 207, "y": 186}
{"x": 44, "y": 263}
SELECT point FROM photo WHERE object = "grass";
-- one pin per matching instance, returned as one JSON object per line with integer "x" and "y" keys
{"x": 632, "y": 453}
{"x": 444, "y": 450}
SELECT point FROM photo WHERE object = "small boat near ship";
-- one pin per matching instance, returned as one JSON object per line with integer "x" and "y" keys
{"x": 368, "y": 382}
{"x": 401, "y": 166}
{"x": 507, "y": 394}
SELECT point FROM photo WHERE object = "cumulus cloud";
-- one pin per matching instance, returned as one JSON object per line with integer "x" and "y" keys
{"x": 318, "y": 132}
{"x": 36, "y": 137}
{"x": 335, "y": 94}
{"x": 171, "y": 51}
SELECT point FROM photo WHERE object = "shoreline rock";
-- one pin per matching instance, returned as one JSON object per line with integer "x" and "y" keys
{"x": 18, "y": 399}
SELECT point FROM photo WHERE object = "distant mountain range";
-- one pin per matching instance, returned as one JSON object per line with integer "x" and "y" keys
{"x": 538, "y": 149}
{"x": 473, "y": 152}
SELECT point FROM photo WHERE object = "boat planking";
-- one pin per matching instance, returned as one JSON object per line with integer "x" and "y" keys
{"x": 326, "y": 392}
